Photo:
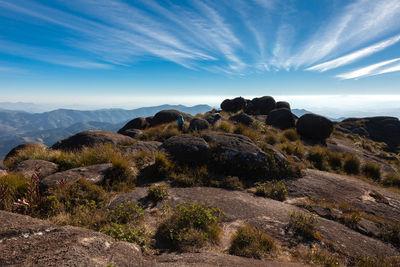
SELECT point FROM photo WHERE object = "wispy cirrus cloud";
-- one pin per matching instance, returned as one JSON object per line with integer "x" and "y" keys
{"x": 375, "y": 69}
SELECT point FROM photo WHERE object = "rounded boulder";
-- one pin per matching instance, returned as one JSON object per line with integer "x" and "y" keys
{"x": 260, "y": 105}
{"x": 281, "y": 118}
{"x": 187, "y": 149}
{"x": 198, "y": 124}
{"x": 314, "y": 126}
{"x": 167, "y": 116}
{"x": 282, "y": 104}
{"x": 242, "y": 118}
{"x": 233, "y": 105}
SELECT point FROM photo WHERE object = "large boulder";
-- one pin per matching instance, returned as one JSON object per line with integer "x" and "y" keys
{"x": 242, "y": 118}
{"x": 167, "y": 116}
{"x": 233, "y": 105}
{"x": 187, "y": 148}
{"x": 137, "y": 123}
{"x": 380, "y": 129}
{"x": 143, "y": 146}
{"x": 283, "y": 104}
{"x": 133, "y": 133}
{"x": 314, "y": 126}
{"x": 95, "y": 174}
{"x": 281, "y": 118}
{"x": 18, "y": 149}
{"x": 29, "y": 167}
{"x": 235, "y": 154}
{"x": 260, "y": 105}
{"x": 198, "y": 124}
{"x": 25, "y": 241}
{"x": 212, "y": 118}
{"x": 92, "y": 138}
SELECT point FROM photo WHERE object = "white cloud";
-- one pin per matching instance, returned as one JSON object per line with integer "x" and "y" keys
{"x": 371, "y": 70}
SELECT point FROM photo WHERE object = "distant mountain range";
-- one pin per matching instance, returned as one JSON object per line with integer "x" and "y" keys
{"x": 17, "y": 127}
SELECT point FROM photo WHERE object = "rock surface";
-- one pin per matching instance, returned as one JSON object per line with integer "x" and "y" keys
{"x": 242, "y": 118}
{"x": 28, "y": 167}
{"x": 314, "y": 126}
{"x": 135, "y": 124}
{"x": 198, "y": 124}
{"x": 95, "y": 174}
{"x": 233, "y": 105}
{"x": 143, "y": 146}
{"x": 282, "y": 104}
{"x": 25, "y": 241}
{"x": 213, "y": 118}
{"x": 92, "y": 138}
{"x": 260, "y": 105}
{"x": 187, "y": 148}
{"x": 281, "y": 118}
{"x": 167, "y": 116}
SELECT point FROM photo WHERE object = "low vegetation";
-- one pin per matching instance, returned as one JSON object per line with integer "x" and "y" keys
{"x": 251, "y": 242}
{"x": 157, "y": 192}
{"x": 372, "y": 170}
{"x": 351, "y": 164}
{"x": 304, "y": 225}
{"x": 272, "y": 189}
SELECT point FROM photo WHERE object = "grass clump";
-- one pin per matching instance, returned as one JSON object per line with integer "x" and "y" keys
{"x": 191, "y": 225}
{"x": 351, "y": 164}
{"x": 272, "y": 189}
{"x": 157, "y": 193}
{"x": 251, "y": 242}
{"x": 304, "y": 225}
{"x": 291, "y": 135}
{"x": 127, "y": 234}
{"x": 122, "y": 175}
{"x": 317, "y": 158}
{"x": 334, "y": 160}
{"x": 391, "y": 179}
{"x": 372, "y": 170}
{"x": 271, "y": 139}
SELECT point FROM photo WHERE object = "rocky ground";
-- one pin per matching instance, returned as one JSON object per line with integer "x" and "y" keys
{"x": 78, "y": 191}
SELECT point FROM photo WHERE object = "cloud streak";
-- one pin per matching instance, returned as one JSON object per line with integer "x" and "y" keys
{"x": 375, "y": 69}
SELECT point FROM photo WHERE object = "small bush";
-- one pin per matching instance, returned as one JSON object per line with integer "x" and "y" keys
{"x": 317, "y": 158}
{"x": 225, "y": 127}
{"x": 121, "y": 174}
{"x": 288, "y": 149}
{"x": 298, "y": 151}
{"x": 126, "y": 212}
{"x": 127, "y": 233}
{"x": 351, "y": 164}
{"x": 291, "y": 135}
{"x": 273, "y": 189}
{"x": 228, "y": 182}
{"x": 391, "y": 179}
{"x": 372, "y": 170}
{"x": 304, "y": 225}
{"x": 391, "y": 233}
{"x": 335, "y": 160}
{"x": 251, "y": 242}
{"x": 271, "y": 139}
{"x": 157, "y": 193}
{"x": 191, "y": 225}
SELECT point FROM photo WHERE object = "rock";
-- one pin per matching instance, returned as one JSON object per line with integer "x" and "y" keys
{"x": 242, "y": 118}
{"x": 233, "y": 105}
{"x": 314, "y": 126}
{"x": 137, "y": 123}
{"x": 92, "y": 138}
{"x": 235, "y": 154}
{"x": 16, "y": 150}
{"x": 187, "y": 148}
{"x": 134, "y": 133}
{"x": 149, "y": 120}
{"x": 28, "y": 167}
{"x": 25, "y": 241}
{"x": 380, "y": 129}
{"x": 95, "y": 174}
{"x": 368, "y": 227}
{"x": 213, "y": 118}
{"x": 198, "y": 124}
{"x": 167, "y": 116}
{"x": 281, "y": 118}
{"x": 143, "y": 146}
{"x": 282, "y": 104}
{"x": 260, "y": 106}
{"x": 3, "y": 173}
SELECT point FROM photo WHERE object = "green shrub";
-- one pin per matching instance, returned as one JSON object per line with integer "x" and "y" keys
{"x": 191, "y": 225}
{"x": 271, "y": 139}
{"x": 381, "y": 261}
{"x": 391, "y": 179}
{"x": 251, "y": 242}
{"x": 372, "y": 170}
{"x": 291, "y": 135}
{"x": 334, "y": 160}
{"x": 304, "y": 225}
{"x": 122, "y": 175}
{"x": 228, "y": 182}
{"x": 272, "y": 189}
{"x": 298, "y": 151}
{"x": 88, "y": 215}
{"x": 288, "y": 149}
{"x": 351, "y": 164}
{"x": 127, "y": 233}
{"x": 317, "y": 158}
{"x": 391, "y": 233}
{"x": 126, "y": 212}
{"x": 157, "y": 193}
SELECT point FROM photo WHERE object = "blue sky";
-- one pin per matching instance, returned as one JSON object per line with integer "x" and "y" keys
{"x": 144, "y": 52}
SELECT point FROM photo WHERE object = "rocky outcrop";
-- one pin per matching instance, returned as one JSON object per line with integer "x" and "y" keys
{"x": 187, "y": 148}
{"x": 233, "y": 105}
{"x": 198, "y": 124}
{"x": 260, "y": 105}
{"x": 314, "y": 127}
{"x": 235, "y": 154}
{"x": 92, "y": 138}
{"x": 29, "y": 167}
{"x": 167, "y": 116}
{"x": 133, "y": 133}
{"x": 380, "y": 129}
{"x": 95, "y": 174}
{"x": 143, "y": 146}
{"x": 135, "y": 124}
{"x": 16, "y": 150}
{"x": 25, "y": 241}
{"x": 242, "y": 118}
{"x": 213, "y": 118}
{"x": 282, "y": 104}
{"x": 281, "y": 118}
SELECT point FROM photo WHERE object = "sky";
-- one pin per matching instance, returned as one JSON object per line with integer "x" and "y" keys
{"x": 319, "y": 54}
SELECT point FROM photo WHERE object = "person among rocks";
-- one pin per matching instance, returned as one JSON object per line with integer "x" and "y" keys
{"x": 181, "y": 121}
